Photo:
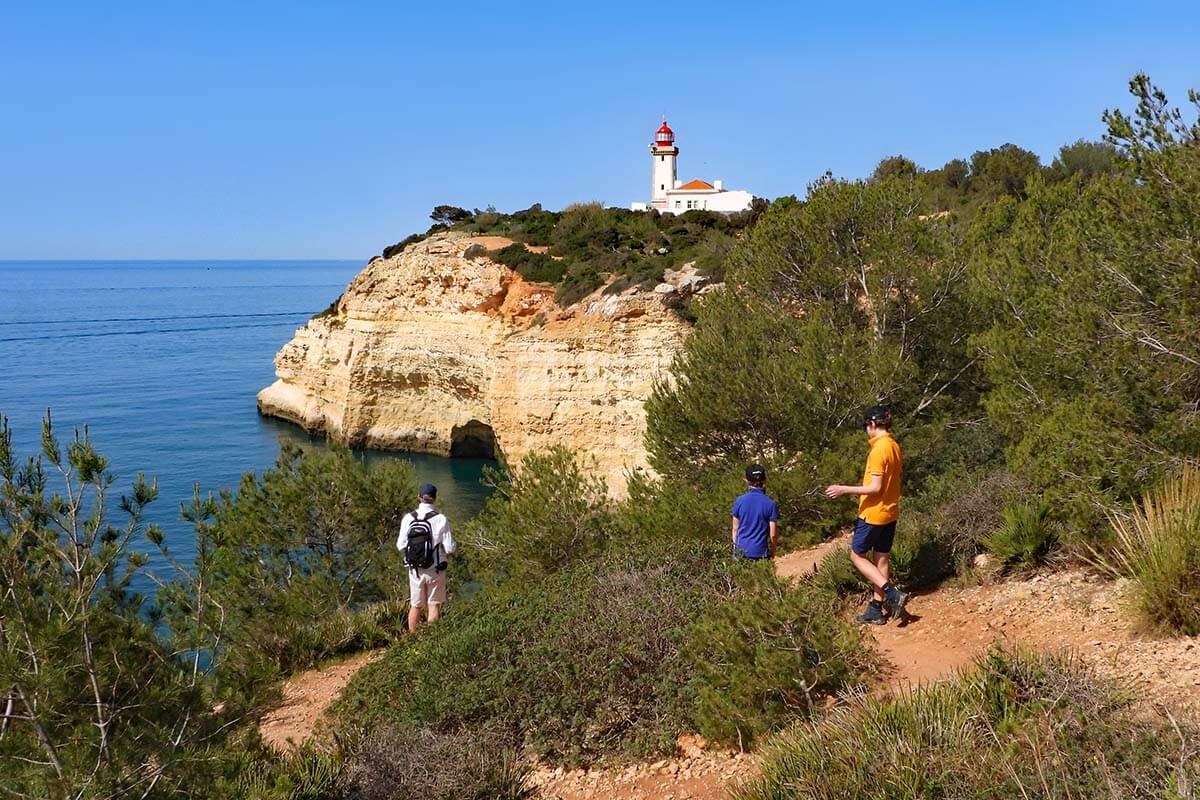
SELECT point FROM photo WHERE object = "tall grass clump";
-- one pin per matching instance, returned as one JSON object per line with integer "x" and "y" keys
{"x": 1016, "y": 725}
{"x": 1156, "y": 547}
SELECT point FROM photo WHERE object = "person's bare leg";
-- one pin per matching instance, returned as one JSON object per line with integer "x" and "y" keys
{"x": 414, "y": 618}
{"x": 883, "y": 563}
{"x": 866, "y": 567}
{"x": 435, "y": 611}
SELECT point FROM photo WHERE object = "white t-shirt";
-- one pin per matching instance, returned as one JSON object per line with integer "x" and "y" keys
{"x": 438, "y": 524}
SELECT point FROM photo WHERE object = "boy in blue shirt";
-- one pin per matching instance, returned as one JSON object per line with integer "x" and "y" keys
{"x": 755, "y": 529}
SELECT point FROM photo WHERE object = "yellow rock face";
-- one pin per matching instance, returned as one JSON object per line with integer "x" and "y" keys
{"x": 434, "y": 352}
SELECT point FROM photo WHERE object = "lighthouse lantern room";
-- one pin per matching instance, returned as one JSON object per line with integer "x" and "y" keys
{"x": 663, "y": 173}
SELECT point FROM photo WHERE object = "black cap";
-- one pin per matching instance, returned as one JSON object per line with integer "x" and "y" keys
{"x": 756, "y": 472}
{"x": 427, "y": 490}
{"x": 880, "y": 415}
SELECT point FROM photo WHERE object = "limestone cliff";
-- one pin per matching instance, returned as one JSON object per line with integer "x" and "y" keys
{"x": 436, "y": 352}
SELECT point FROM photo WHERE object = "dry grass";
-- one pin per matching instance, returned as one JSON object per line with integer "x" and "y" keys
{"x": 1158, "y": 547}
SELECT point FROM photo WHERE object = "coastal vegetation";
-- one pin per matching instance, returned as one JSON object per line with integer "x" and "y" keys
{"x": 1015, "y": 725}
{"x": 1033, "y": 330}
{"x": 588, "y": 245}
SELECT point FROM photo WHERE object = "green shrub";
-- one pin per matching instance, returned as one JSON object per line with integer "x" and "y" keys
{"x": 580, "y": 281}
{"x": 1025, "y": 537}
{"x": 308, "y": 774}
{"x": 295, "y": 559}
{"x": 1014, "y": 726}
{"x": 532, "y": 266}
{"x": 770, "y": 653}
{"x": 1156, "y": 545}
{"x": 423, "y": 763}
{"x": 941, "y": 531}
{"x": 398, "y": 248}
{"x": 546, "y": 514}
{"x": 583, "y": 664}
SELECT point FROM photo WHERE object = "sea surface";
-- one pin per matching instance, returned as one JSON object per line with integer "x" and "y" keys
{"x": 161, "y": 360}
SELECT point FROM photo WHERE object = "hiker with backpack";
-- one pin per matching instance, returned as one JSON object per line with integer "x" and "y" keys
{"x": 425, "y": 541}
{"x": 878, "y": 510}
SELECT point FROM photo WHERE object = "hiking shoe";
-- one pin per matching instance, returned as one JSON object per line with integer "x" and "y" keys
{"x": 873, "y": 614}
{"x": 895, "y": 601}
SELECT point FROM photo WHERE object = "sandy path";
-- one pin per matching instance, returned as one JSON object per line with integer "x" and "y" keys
{"x": 305, "y": 698}
{"x": 1070, "y": 611}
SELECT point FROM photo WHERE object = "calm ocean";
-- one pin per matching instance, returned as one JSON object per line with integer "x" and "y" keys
{"x": 162, "y": 361}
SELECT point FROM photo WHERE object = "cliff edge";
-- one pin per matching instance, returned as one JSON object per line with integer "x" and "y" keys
{"x": 434, "y": 351}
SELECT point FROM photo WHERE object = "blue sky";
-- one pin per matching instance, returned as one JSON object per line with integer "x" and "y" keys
{"x": 323, "y": 130}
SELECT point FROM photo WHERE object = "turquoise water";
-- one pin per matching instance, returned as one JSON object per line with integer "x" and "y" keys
{"x": 162, "y": 361}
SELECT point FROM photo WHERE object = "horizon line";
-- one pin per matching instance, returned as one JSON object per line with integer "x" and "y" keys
{"x": 161, "y": 260}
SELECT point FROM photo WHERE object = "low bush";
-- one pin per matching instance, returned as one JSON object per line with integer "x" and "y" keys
{"x": 583, "y": 664}
{"x": 262, "y": 774}
{"x": 420, "y": 762}
{"x": 543, "y": 516}
{"x": 1015, "y": 726}
{"x": 1025, "y": 537}
{"x": 398, "y": 248}
{"x": 1156, "y": 546}
{"x": 943, "y": 528}
{"x": 580, "y": 281}
{"x": 532, "y": 266}
{"x": 769, "y": 654}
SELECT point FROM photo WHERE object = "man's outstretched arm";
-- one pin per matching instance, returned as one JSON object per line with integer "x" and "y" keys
{"x": 872, "y": 486}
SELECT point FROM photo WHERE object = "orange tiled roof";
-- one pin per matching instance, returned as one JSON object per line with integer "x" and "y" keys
{"x": 696, "y": 184}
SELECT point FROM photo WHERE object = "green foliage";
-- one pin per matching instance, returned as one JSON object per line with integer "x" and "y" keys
{"x": 772, "y": 652}
{"x": 1015, "y": 726}
{"x": 398, "y": 248}
{"x": 591, "y": 246}
{"x": 97, "y": 705}
{"x": 1025, "y": 536}
{"x": 532, "y": 266}
{"x": 952, "y": 521}
{"x": 449, "y": 215}
{"x": 544, "y": 515}
{"x": 1006, "y": 167}
{"x": 580, "y": 281}
{"x": 1155, "y": 545}
{"x": 1084, "y": 158}
{"x": 843, "y": 301}
{"x": 895, "y": 167}
{"x": 1091, "y": 355}
{"x": 295, "y": 557}
{"x": 307, "y": 774}
{"x": 583, "y": 664}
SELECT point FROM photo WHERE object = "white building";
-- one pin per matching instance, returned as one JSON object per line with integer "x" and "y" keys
{"x": 670, "y": 195}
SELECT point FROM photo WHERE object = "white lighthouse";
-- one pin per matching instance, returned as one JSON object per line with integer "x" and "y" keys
{"x": 663, "y": 175}
{"x": 670, "y": 196}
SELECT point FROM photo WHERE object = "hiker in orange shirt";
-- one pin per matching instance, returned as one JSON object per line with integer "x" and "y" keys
{"x": 878, "y": 509}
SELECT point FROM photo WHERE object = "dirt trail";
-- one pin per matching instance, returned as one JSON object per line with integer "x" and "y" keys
{"x": 305, "y": 698}
{"x": 1070, "y": 611}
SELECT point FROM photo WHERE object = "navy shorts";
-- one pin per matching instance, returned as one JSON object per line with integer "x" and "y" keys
{"x": 872, "y": 537}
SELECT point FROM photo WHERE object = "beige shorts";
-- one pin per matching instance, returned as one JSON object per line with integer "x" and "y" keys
{"x": 426, "y": 586}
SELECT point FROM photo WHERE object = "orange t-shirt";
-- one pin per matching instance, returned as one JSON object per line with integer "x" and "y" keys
{"x": 885, "y": 461}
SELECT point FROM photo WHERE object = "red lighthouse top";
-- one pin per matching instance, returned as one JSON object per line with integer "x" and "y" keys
{"x": 665, "y": 137}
